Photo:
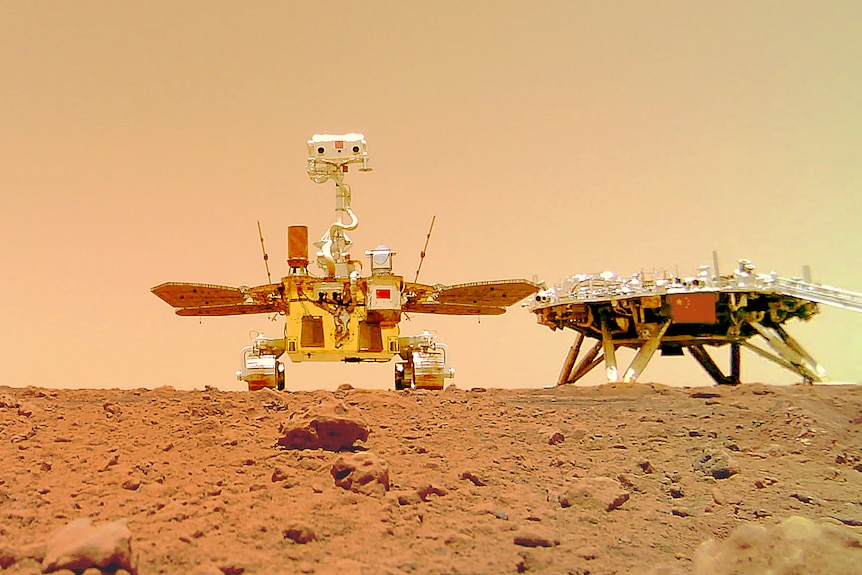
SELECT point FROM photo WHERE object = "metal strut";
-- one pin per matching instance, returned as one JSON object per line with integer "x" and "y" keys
{"x": 645, "y": 353}
{"x": 705, "y": 360}
{"x": 788, "y": 353}
{"x": 572, "y": 372}
{"x": 609, "y": 350}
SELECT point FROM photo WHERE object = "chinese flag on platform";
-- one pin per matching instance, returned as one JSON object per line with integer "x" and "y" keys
{"x": 693, "y": 307}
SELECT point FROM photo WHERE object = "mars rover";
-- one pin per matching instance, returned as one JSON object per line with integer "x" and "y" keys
{"x": 342, "y": 315}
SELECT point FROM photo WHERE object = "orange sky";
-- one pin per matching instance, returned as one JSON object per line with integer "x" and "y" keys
{"x": 140, "y": 142}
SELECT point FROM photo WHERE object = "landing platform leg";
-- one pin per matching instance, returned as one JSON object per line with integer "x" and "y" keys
{"x": 794, "y": 345}
{"x": 588, "y": 363}
{"x": 773, "y": 358}
{"x": 645, "y": 353}
{"x": 705, "y": 360}
{"x": 735, "y": 364}
{"x": 789, "y": 351}
{"x": 609, "y": 351}
{"x": 571, "y": 357}
{"x": 573, "y": 370}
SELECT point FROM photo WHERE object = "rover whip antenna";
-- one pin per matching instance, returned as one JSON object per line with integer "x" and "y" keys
{"x": 265, "y": 255}
{"x": 422, "y": 253}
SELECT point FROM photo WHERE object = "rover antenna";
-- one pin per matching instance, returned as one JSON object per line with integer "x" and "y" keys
{"x": 422, "y": 253}
{"x": 265, "y": 255}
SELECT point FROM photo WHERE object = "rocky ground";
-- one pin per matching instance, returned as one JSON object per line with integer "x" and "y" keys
{"x": 599, "y": 480}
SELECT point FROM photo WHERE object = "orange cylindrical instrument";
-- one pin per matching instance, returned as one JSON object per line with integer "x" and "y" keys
{"x": 297, "y": 246}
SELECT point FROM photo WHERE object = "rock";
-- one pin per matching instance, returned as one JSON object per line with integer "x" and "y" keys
{"x": 555, "y": 437}
{"x": 280, "y": 474}
{"x": 331, "y": 426}
{"x": 7, "y": 402}
{"x": 797, "y": 546}
{"x": 114, "y": 460}
{"x": 596, "y": 493}
{"x": 407, "y": 497}
{"x": 851, "y": 521}
{"x": 80, "y": 545}
{"x": 536, "y": 536}
{"x": 474, "y": 479}
{"x": 113, "y": 409}
{"x": 361, "y": 473}
{"x": 717, "y": 463}
{"x": 426, "y": 491}
{"x": 805, "y": 498}
{"x": 628, "y": 484}
{"x": 299, "y": 533}
{"x": 7, "y": 558}
{"x": 20, "y": 556}
{"x": 457, "y": 540}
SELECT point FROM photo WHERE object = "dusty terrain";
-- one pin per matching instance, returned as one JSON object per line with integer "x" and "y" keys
{"x": 480, "y": 481}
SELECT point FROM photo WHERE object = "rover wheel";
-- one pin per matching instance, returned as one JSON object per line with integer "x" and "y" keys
{"x": 279, "y": 376}
{"x": 399, "y": 376}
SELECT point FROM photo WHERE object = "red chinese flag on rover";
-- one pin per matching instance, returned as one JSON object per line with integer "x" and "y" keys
{"x": 692, "y": 307}
{"x": 381, "y": 293}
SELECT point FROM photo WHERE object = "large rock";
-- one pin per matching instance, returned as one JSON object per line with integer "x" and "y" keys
{"x": 300, "y": 533}
{"x": 81, "y": 545}
{"x": 362, "y": 473}
{"x": 797, "y": 546}
{"x": 595, "y": 493}
{"x": 331, "y": 425}
{"x": 536, "y": 536}
{"x": 717, "y": 463}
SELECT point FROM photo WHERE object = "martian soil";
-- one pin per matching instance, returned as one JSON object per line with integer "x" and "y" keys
{"x": 614, "y": 479}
